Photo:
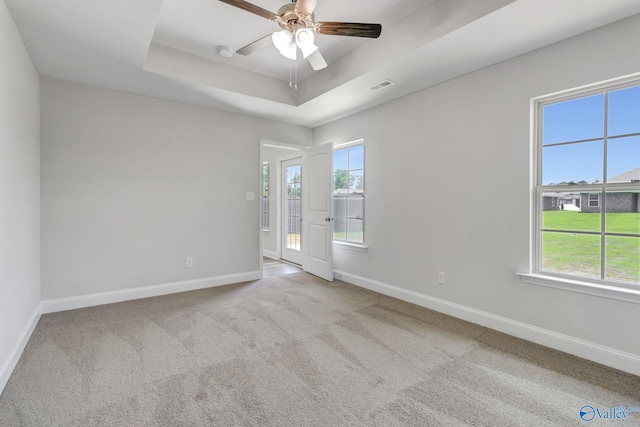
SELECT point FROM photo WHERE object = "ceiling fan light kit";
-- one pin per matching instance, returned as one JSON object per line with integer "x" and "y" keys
{"x": 285, "y": 43}
{"x": 297, "y": 21}
{"x": 304, "y": 40}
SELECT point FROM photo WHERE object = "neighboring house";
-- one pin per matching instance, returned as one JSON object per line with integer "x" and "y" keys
{"x": 616, "y": 202}
{"x": 555, "y": 201}
{"x": 550, "y": 202}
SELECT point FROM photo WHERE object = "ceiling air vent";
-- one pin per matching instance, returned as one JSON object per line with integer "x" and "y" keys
{"x": 382, "y": 84}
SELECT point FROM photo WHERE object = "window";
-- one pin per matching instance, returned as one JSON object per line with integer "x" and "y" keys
{"x": 588, "y": 156}
{"x": 265, "y": 196}
{"x": 348, "y": 193}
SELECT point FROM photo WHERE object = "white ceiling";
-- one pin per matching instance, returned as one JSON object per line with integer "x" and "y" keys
{"x": 168, "y": 49}
{"x": 195, "y": 26}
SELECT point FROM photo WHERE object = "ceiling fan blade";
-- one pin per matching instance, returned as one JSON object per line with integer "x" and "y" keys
{"x": 306, "y": 7}
{"x": 255, "y": 46}
{"x": 241, "y": 4}
{"x": 351, "y": 29}
{"x": 317, "y": 61}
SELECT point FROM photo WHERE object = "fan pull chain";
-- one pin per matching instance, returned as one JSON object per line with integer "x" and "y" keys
{"x": 291, "y": 74}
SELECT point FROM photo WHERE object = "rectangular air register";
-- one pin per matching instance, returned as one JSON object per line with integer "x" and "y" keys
{"x": 382, "y": 84}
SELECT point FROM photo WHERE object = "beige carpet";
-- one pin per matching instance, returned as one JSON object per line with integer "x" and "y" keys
{"x": 295, "y": 351}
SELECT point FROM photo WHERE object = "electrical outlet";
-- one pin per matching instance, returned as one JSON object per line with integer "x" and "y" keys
{"x": 188, "y": 263}
{"x": 441, "y": 277}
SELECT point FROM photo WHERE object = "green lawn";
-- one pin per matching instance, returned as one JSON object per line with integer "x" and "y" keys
{"x": 354, "y": 236}
{"x": 580, "y": 253}
{"x": 628, "y": 223}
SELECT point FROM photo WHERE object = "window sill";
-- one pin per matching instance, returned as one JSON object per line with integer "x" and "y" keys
{"x": 598, "y": 289}
{"x": 350, "y": 246}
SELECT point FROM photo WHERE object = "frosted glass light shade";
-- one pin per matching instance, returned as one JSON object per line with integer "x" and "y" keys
{"x": 304, "y": 40}
{"x": 283, "y": 41}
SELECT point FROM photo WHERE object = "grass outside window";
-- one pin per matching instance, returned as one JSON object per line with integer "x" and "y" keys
{"x": 579, "y": 254}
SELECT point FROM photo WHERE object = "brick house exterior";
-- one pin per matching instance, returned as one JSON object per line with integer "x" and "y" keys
{"x": 616, "y": 202}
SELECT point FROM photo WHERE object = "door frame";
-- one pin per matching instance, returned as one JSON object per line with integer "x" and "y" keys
{"x": 296, "y": 151}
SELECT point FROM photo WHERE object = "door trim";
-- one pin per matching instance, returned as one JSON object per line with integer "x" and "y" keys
{"x": 296, "y": 150}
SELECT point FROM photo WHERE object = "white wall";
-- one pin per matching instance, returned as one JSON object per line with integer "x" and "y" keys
{"x": 270, "y": 237}
{"x": 132, "y": 185}
{"x": 19, "y": 194}
{"x": 447, "y": 188}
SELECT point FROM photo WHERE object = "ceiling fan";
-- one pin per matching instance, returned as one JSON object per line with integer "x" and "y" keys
{"x": 297, "y": 21}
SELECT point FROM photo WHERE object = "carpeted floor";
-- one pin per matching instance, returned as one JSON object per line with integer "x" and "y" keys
{"x": 295, "y": 351}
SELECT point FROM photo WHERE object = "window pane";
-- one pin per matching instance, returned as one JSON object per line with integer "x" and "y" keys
{"x": 265, "y": 213}
{"x": 293, "y": 191}
{"x": 293, "y": 241}
{"x": 355, "y": 207}
{"x": 356, "y": 157}
{"x": 348, "y": 192}
{"x": 355, "y": 230}
{"x": 339, "y": 207}
{"x": 572, "y": 164}
{"x": 562, "y": 211}
{"x": 624, "y": 111}
{"x": 341, "y": 181}
{"x": 571, "y": 253}
{"x": 341, "y": 160}
{"x": 623, "y": 212}
{"x": 622, "y": 259}
{"x": 356, "y": 181}
{"x": 265, "y": 181}
{"x": 623, "y": 160}
{"x": 574, "y": 120}
{"x": 340, "y": 229}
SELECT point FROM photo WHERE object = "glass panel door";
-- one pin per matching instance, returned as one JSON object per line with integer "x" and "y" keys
{"x": 292, "y": 209}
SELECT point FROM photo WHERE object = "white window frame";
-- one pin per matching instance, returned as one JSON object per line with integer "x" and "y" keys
{"x": 603, "y": 288}
{"x": 266, "y": 213}
{"x": 359, "y": 247}
{"x": 597, "y": 200}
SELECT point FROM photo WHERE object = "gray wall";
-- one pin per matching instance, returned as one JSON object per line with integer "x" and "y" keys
{"x": 438, "y": 160}
{"x": 19, "y": 189}
{"x": 132, "y": 185}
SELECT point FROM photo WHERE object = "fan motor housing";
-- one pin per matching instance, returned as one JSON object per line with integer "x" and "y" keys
{"x": 290, "y": 20}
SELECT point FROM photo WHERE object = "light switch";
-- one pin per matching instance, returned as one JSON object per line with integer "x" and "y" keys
{"x": 249, "y": 195}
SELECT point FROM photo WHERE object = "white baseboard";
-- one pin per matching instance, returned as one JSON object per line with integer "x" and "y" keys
{"x": 82, "y": 301}
{"x": 12, "y": 359}
{"x": 270, "y": 254}
{"x": 597, "y": 353}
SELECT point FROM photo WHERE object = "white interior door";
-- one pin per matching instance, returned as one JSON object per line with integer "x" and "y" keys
{"x": 316, "y": 218}
{"x": 292, "y": 210}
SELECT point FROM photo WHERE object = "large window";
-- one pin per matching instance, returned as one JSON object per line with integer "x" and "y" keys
{"x": 587, "y": 208}
{"x": 348, "y": 193}
{"x": 265, "y": 196}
